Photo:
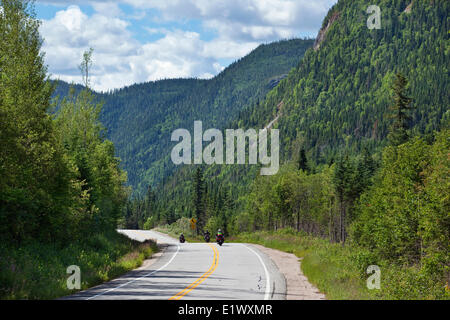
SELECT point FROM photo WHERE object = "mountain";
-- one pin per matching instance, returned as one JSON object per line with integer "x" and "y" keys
{"x": 338, "y": 98}
{"x": 360, "y": 165}
{"x": 140, "y": 118}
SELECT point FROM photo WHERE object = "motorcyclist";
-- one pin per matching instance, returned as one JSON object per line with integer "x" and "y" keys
{"x": 219, "y": 237}
{"x": 206, "y": 235}
{"x": 182, "y": 238}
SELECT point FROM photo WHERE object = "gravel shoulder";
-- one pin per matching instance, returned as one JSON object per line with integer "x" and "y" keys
{"x": 298, "y": 286}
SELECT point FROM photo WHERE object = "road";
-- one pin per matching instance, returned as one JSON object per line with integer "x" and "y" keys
{"x": 199, "y": 271}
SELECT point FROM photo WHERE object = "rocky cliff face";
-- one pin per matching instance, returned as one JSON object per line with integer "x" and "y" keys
{"x": 323, "y": 31}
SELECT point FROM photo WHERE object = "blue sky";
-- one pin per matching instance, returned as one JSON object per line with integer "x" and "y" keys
{"x": 143, "y": 40}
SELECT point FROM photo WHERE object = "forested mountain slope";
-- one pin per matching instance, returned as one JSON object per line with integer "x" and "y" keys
{"x": 364, "y": 135}
{"x": 140, "y": 118}
{"x": 337, "y": 99}
{"x": 339, "y": 95}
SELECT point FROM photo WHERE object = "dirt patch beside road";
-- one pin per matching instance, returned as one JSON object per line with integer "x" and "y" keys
{"x": 298, "y": 286}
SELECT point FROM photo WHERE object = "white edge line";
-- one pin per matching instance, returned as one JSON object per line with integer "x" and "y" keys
{"x": 267, "y": 293}
{"x": 149, "y": 274}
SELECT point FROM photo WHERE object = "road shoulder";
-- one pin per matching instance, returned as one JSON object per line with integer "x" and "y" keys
{"x": 298, "y": 286}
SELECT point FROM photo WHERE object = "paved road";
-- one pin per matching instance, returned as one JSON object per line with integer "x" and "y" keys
{"x": 195, "y": 271}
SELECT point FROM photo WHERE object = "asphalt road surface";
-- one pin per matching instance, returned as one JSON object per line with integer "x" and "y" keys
{"x": 200, "y": 271}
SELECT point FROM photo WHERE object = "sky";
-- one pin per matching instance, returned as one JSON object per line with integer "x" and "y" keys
{"x": 136, "y": 41}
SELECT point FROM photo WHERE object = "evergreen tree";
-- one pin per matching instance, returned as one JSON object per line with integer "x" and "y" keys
{"x": 399, "y": 129}
{"x": 364, "y": 172}
{"x": 302, "y": 161}
{"x": 150, "y": 202}
{"x": 198, "y": 199}
{"x": 343, "y": 181}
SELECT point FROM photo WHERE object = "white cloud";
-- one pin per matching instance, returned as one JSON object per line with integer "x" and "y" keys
{"x": 110, "y": 9}
{"x": 120, "y": 59}
{"x": 246, "y": 19}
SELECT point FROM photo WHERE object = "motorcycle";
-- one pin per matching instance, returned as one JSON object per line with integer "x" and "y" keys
{"x": 207, "y": 238}
{"x": 182, "y": 240}
{"x": 220, "y": 239}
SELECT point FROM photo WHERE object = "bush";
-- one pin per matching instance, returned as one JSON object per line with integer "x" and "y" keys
{"x": 38, "y": 270}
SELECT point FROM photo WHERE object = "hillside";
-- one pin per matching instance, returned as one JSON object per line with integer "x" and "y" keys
{"x": 338, "y": 97}
{"x": 345, "y": 178}
{"x": 140, "y": 118}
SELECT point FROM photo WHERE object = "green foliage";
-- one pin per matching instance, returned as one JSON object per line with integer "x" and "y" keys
{"x": 181, "y": 226}
{"x": 150, "y": 223}
{"x": 214, "y": 223}
{"x": 334, "y": 106}
{"x": 338, "y": 96}
{"x": 330, "y": 267}
{"x": 98, "y": 173}
{"x": 340, "y": 271}
{"x": 38, "y": 270}
{"x": 140, "y": 118}
{"x": 399, "y": 129}
{"x": 35, "y": 176}
{"x": 336, "y": 100}
{"x": 198, "y": 199}
{"x": 405, "y": 217}
{"x": 61, "y": 188}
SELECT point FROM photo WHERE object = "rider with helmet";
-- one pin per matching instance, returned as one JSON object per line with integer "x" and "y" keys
{"x": 219, "y": 237}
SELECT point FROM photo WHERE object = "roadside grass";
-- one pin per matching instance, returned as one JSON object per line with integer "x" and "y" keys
{"x": 175, "y": 229}
{"x": 340, "y": 271}
{"x": 38, "y": 271}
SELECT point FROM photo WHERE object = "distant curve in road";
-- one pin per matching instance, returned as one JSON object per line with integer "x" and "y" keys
{"x": 200, "y": 271}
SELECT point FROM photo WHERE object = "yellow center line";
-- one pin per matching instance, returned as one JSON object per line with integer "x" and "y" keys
{"x": 194, "y": 284}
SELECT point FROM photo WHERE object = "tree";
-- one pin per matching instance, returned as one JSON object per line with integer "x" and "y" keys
{"x": 343, "y": 180}
{"x": 198, "y": 199}
{"x": 150, "y": 202}
{"x": 302, "y": 161}
{"x": 364, "y": 172}
{"x": 98, "y": 172}
{"x": 85, "y": 66}
{"x": 399, "y": 129}
{"x": 35, "y": 177}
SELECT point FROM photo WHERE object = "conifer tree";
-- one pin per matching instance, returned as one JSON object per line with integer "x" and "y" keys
{"x": 302, "y": 161}
{"x": 402, "y": 106}
{"x": 198, "y": 199}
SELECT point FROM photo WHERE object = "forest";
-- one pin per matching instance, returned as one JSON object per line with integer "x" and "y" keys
{"x": 61, "y": 189}
{"x": 364, "y": 126}
{"x": 364, "y": 131}
{"x": 141, "y": 118}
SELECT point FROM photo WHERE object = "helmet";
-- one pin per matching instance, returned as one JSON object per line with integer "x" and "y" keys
{"x": 219, "y": 230}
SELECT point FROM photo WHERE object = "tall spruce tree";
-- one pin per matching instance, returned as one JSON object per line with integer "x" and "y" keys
{"x": 198, "y": 199}
{"x": 343, "y": 181}
{"x": 302, "y": 161}
{"x": 399, "y": 130}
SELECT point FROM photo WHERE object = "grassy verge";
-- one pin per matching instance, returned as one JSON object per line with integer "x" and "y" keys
{"x": 175, "y": 229}
{"x": 38, "y": 271}
{"x": 340, "y": 271}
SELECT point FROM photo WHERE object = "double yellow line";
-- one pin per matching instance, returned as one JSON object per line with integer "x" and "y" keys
{"x": 194, "y": 284}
